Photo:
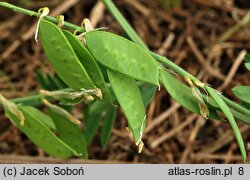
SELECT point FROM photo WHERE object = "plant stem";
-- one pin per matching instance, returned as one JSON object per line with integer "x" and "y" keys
{"x": 36, "y": 101}
{"x": 28, "y": 101}
{"x": 184, "y": 74}
{"x": 236, "y": 106}
{"x": 33, "y": 13}
{"x": 132, "y": 35}
{"x": 19, "y": 9}
{"x": 173, "y": 66}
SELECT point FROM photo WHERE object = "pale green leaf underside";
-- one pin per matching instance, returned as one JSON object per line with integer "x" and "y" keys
{"x": 122, "y": 55}
{"x": 129, "y": 97}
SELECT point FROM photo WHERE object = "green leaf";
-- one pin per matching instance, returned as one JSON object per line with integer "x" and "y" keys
{"x": 130, "y": 32}
{"x": 98, "y": 107}
{"x": 89, "y": 63}
{"x": 41, "y": 135}
{"x": 36, "y": 114}
{"x": 62, "y": 57}
{"x": 129, "y": 97}
{"x": 92, "y": 122}
{"x": 108, "y": 123}
{"x": 243, "y": 118}
{"x": 183, "y": 94}
{"x": 247, "y": 58}
{"x": 247, "y": 66}
{"x": 42, "y": 79}
{"x": 29, "y": 101}
{"x": 92, "y": 118}
{"x": 50, "y": 82}
{"x": 53, "y": 81}
{"x": 60, "y": 82}
{"x": 147, "y": 93}
{"x": 122, "y": 55}
{"x": 68, "y": 130}
{"x": 242, "y": 92}
{"x": 223, "y": 106}
{"x": 245, "y": 104}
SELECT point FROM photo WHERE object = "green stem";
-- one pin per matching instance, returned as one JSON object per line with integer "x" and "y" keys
{"x": 123, "y": 22}
{"x": 173, "y": 66}
{"x": 241, "y": 117}
{"x": 19, "y": 9}
{"x": 132, "y": 35}
{"x": 28, "y": 101}
{"x": 36, "y": 101}
{"x": 33, "y": 13}
{"x": 236, "y": 106}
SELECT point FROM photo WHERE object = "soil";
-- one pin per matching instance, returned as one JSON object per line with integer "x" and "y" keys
{"x": 195, "y": 34}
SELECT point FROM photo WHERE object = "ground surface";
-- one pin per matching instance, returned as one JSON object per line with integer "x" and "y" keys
{"x": 187, "y": 34}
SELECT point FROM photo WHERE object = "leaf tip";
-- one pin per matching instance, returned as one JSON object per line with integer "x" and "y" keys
{"x": 140, "y": 146}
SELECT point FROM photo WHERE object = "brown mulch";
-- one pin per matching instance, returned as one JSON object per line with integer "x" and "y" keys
{"x": 205, "y": 37}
